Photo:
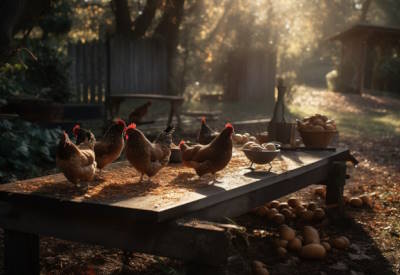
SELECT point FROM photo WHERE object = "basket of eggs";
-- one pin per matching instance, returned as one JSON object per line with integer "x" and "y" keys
{"x": 260, "y": 154}
{"x": 316, "y": 131}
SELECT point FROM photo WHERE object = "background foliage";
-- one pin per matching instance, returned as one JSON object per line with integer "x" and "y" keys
{"x": 26, "y": 150}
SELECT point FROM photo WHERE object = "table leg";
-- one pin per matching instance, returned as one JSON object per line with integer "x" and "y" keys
{"x": 334, "y": 189}
{"x": 178, "y": 114}
{"x": 21, "y": 253}
{"x": 171, "y": 113}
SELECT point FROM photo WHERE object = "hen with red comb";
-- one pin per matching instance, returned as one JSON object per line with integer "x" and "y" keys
{"x": 110, "y": 147}
{"x": 206, "y": 134}
{"x": 77, "y": 162}
{"x": 209, "y": 158}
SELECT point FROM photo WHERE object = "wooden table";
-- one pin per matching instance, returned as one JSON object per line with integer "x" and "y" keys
{"x": 174, "y": 101}
{"x": 175, "y": 215}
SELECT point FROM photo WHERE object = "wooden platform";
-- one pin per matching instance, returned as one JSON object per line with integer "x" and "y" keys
{"x": 117, "y": 211}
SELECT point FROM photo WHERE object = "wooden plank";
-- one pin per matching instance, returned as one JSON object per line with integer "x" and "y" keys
{"x": 303, "y": 168}
{"x": 21, "y": 255}
{"x": 146, "y": 96}
{"x": 185, "y": 240}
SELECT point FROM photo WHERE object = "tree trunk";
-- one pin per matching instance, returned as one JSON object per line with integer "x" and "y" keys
{"x": 122, "y": 16}
{"x": 168, "y": 30}
{"x": 364, "y": 11}
{"x": 143, "y": 21}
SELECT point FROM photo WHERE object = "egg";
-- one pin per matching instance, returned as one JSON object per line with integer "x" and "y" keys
{"x": 282, "y": 252}
{"x": 270, "y": 147}
{"x": 278, "y": 218}
{"x": 248, "y": 144}
{"x": 293, "y": 202}
{"x": 274, "y": 204}
{"x": 294, "y": 245}
{"x": 271, "y": 213}
{"x": 287, "y": 213}
{"x": 310, "y": 235}
{"x": 262, "y": 211}
{"x": 286, "y": 232}
{"x": 326, "y": 245}
{"x": 340, "y": 242}
{"x": 259, "y": 268}
{"x": 313, "y": 251}
{"x": 237, "y": 138}
{"x": 319, "y": 214}
{"x": 312, "y": 206}
{"x": 356, "y": 202}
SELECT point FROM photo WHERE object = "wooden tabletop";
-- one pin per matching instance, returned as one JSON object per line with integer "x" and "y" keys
{"x": 175, "y": 191}
{"x": 146, "y": 96}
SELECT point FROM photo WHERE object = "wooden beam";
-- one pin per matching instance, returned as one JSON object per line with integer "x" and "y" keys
{"x": 334, "y": 190}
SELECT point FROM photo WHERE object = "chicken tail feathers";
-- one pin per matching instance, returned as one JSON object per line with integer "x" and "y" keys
{"x": 165, "y": 137}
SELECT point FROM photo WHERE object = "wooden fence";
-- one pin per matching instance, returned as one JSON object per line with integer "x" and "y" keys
{"x": 122, "y": 66}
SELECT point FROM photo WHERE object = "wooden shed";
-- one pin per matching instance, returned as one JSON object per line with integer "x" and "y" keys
{"x": 364, "y": 46}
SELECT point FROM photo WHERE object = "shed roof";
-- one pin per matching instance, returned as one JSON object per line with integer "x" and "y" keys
{"x": 363, "y": 28}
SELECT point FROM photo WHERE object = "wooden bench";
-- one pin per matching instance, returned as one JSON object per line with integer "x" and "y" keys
{"x": 181, "y": 223}
{"x": 174, "y": 101}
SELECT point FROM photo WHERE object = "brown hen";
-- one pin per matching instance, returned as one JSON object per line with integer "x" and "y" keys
{"x": 212, "y": 157}
{"x": 206, "y": 135}
{"x": 137, "y": 114}
{"x": 148, "y": 157}
{"x": 77, "y": 162}
{"x": 110, "y": 147}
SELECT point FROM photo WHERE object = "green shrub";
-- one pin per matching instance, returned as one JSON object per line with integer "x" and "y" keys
{"x": 26, "y": 150}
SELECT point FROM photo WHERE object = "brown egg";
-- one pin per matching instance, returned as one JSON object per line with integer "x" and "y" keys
{"x": 310, "y": 235}
{"x": 262, "y": 211}
{"x": 306, "y": 215}
{"x": 259, "y": 268}
{"x": 287, "y": 213}
{"x": 282, "y": 252}
{"x": 271, "y": 213}
{"x": 295, "y": 245}
{"x": 356, "y": 202}
{"x": 326, "y": 245}
{"x": 340, "y": 242}
{"x": 283, "y": 205}
{"x": 278, "y": 218}
{"x": 366, "y": 199}
{"x": 313, "y": 251}
{"x": 293, "y": 202}
{"x": 286, "y": 232}
{"x": 273, "y": 204}
{"x": 319, "y": 214}
{"x": 312, "y": 206}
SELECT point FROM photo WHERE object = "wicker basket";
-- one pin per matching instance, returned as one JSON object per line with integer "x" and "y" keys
{"x": 314, "y": 139}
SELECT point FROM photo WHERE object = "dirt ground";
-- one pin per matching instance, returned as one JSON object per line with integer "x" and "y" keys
{"x": 370, "y": 127}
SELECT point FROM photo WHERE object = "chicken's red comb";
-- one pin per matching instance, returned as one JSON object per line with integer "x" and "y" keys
{"x": 131, "y": 126}
{"x": 182, "y": 142}
{"x": 228, "y": 125}
{"x": 203, "y": 119}
{"x": 75, "y": 129}
{"x": 120, "y": 122}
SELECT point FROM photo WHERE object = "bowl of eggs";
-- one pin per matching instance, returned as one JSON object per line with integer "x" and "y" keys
{"x": 260, "y": 154}
{"x": 317, "y": 131}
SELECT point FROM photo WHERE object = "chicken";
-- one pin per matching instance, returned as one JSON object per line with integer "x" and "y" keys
{"x": 77, "y": 162}
{"x": 110, "y": 147}
{"x": 212, "y": 157}
{"x": 206, "y": 135}
{"x": 136, "y": 115}
{"x": 148, "y": 157}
